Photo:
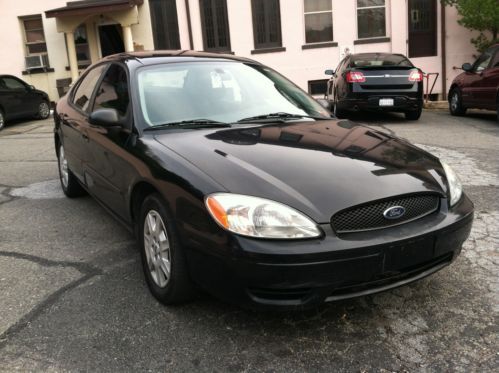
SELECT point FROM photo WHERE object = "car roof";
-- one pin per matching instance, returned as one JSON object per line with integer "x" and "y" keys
{"x": 152, "y": 57}
{"x": 372, "y": 54}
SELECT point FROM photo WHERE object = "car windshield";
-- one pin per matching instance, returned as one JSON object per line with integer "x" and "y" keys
{"x": 221, "y": 91}
{"x": 376, "y": 60}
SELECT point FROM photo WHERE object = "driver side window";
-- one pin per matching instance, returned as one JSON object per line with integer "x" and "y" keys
{"x": 113, "y": 91}
{"x": 483, "y": 62}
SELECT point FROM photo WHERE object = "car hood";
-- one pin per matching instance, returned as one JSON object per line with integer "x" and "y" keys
{"x": 318, "y": 167}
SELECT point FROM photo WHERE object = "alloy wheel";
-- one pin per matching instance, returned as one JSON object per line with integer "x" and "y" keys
{"x": 454, "y": 101}
{"x": 2, "y": 120}
{"x": 63, "y": 167}
{"x": 43, "y": 110}
{"x": 157, "y": 248}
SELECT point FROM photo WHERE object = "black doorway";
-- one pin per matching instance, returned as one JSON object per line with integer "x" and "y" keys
{"x": 111, "y": 40}
{"x": 422, "y": 28}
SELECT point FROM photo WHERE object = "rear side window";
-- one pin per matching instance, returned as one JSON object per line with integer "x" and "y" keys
{"x": 376, "y": 60}
{"x": 83, "y": 93}
{"x": 113, "y": 91}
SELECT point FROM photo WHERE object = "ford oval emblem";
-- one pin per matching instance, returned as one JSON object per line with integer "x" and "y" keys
{"x": 394, "y": 212}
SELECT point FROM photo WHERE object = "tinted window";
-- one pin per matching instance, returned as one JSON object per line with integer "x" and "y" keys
{"x": 372, "y": 60}
{"x": 483, "y": 61}
{"x": 113, "y": 91}
{"x": 11, "y": 83}
{"x": 86, "y": 87}
{"x": 495, "y": 60}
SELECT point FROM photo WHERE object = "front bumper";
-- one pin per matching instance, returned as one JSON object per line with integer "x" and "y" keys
{"x": 298, "y": 274}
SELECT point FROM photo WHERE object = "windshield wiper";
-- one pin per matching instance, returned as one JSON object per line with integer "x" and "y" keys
{"x": 279, "y": 116}
{"x": 196, "y": 123}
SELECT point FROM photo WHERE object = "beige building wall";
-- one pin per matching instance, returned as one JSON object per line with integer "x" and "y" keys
{"x": 300, "y": 65}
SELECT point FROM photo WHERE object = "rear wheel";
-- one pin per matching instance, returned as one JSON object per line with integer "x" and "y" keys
{"x": 2, "y": 120}
{"x": 69, "y": 184}
{"x": 413, "y": 114}
{"x": 43, "y": 110}
{"x": 163, "y": 259}
{"x": 456, "y": 103}
{"x": 338, "y": 113}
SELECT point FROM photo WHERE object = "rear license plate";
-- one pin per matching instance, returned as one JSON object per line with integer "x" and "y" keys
{"x": 386, "y": 102}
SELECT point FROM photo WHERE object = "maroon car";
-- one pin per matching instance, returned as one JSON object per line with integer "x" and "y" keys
{"x": 478, "y": 86}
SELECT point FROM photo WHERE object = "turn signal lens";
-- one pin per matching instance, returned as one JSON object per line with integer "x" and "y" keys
{"x": 355, "y": 77}
{"x": 416, "y": 76}
{"x": 259, "y": 217}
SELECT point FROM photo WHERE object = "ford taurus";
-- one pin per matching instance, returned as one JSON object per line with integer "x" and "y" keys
{"x": 236, "y": 181}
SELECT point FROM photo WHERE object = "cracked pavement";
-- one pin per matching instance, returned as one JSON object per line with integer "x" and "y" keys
{"x": 73, "y": 297}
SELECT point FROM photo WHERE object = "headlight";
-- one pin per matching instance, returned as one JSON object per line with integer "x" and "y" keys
{"x": 258, "y": 217}
{"x": 455, "y": 187}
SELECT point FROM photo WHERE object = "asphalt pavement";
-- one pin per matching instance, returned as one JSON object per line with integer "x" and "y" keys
{"x": 73, "y": 297}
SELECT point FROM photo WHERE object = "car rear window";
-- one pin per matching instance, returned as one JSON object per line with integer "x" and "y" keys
{"x": 380, "y": 60}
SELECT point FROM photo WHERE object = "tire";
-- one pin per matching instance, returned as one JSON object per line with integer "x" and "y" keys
{"x": 455, "y": 103}
{"x": 69, "y": 183}
{"x": 43, "y": 110}
{"x": 163, "y": 259}
{"x": 497, "y": 107}
{"x": 413, "y": 114}
{"x": 338, "y": 113}
{"x": 2, "y": 120}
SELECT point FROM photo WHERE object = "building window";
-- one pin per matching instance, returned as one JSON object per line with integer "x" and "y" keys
{"x": 81, "y": 43}
{"x": 317, "y": 87}
{"x": 164, "y": 21}
{"x": 371, "y": 18}
{"x": 215, "y": 25}
{"x": 318, "y": 21}
{"x": 34, "y": 41}
{"x": 266, "y": 23}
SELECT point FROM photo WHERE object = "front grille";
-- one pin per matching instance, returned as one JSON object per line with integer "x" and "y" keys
{"x": 370, "y": 216}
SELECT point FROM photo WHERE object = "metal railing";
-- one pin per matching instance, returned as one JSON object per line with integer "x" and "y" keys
{"x": 426, "y": 82}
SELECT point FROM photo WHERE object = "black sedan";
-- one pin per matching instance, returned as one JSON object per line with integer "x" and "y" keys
{"x": 376, "y": 81}
{"x": 21, "y": 100}
{"x": 235, "y": 180}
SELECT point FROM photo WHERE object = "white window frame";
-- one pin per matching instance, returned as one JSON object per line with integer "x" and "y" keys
{"x": 22, "y": 19}
{"x": 305, "y": 23}
{"x": 370, "y": 7}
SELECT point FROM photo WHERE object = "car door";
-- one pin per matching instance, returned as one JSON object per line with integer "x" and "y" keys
{"x": 109, "y": 169}
{"x": 13, "y": 92}
{"x": 74, "y": 120}
{"x": 472, "y": 90}
{"x": 489, "y": 83}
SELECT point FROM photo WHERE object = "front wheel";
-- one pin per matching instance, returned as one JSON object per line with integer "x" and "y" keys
{"x": 455, "y": 103}
{"x": 69, "y": 184}
{"x": 163, "y": 259}
{"x": 2, "y": 120}
{"x": 43, "y": 110}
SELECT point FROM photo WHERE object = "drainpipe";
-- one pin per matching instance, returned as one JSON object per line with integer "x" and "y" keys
{"x": 444, "y": 51}
{"x": 189, "y": 27}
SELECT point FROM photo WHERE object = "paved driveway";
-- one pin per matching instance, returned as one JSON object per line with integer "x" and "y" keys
{"x": 72, "y": 295}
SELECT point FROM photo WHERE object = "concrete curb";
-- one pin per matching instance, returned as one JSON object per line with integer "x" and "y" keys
{"x": 437, "y": 105}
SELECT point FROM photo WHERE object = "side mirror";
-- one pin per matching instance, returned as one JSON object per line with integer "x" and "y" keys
{"x": 105, "y": 118}
{"x": 329, "y": 72}
{"x": 466, "y": 66}
{"x": 31, "y": 87}
{"x": 323, "y": 102}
